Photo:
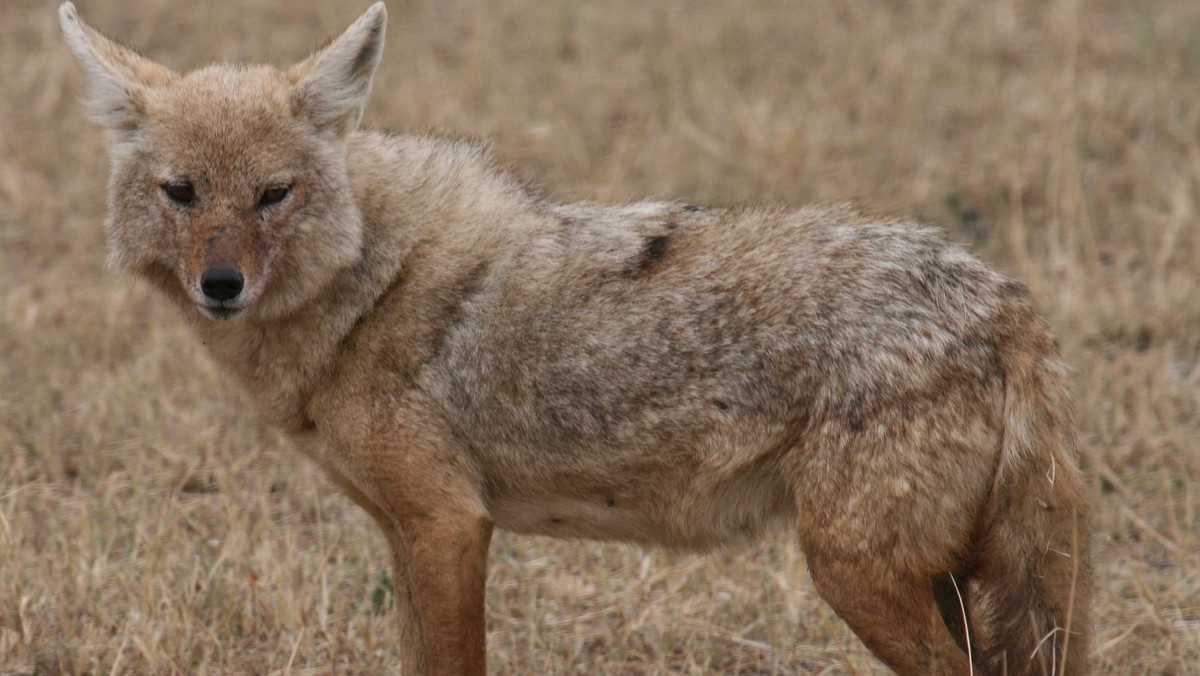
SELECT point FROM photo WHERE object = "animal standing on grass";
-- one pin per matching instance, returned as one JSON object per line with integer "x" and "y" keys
{"x": 458, "y": 353}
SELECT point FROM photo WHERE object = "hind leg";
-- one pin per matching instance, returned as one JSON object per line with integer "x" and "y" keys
{"x": 886, "y": 506}
{"x": 884, "y": 567}
{"x": 893, "y": 614}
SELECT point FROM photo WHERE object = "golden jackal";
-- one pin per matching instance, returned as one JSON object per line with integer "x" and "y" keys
{"x": 458, "y": 353}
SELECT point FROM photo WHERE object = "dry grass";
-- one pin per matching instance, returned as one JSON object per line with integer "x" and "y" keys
{"x": 148, "y": 524}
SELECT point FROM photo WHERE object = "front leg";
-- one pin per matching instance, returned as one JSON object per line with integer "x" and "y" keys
{"x": 440, "y": 577}
{"x": 439, "y": 542}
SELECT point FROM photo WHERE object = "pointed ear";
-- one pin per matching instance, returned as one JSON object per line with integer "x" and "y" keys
{"x": 332, "y": 85}
{"x": 117, "y": 76}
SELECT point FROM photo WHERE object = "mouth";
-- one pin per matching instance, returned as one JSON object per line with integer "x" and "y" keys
{"x": 220, "y": 311}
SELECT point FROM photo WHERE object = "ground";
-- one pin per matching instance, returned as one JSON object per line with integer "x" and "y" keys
{"x": 150, "y": 524}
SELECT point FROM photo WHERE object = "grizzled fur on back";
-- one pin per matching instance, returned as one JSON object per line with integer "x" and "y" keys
{"x": 459, "y": 354}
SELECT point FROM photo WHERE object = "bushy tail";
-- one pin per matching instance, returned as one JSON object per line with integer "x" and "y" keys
{"x": 1032, "y": 580}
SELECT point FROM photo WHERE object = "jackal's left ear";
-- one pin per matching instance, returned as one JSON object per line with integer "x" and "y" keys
{"x": 332, "y": 85}
{"x": 118, "y": 76}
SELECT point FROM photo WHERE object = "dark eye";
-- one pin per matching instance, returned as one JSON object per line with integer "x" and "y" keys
{"x": 180, "y": 191}
{"x": 273, "y": 195}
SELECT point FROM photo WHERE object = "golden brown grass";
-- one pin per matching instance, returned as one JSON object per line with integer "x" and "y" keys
{"x": 149, "y": 524}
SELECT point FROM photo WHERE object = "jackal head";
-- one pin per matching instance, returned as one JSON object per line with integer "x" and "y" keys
{"x": 229, "y": 185}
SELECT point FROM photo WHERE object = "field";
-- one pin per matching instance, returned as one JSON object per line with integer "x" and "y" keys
{"x": 150, "y": 524}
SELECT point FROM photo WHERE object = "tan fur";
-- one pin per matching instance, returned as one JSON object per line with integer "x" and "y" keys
{"x": 458, "y": 353}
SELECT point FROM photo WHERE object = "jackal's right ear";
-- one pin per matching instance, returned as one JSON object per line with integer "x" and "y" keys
{"x": 118, "y": 77}
{"x": 332, "y": 85}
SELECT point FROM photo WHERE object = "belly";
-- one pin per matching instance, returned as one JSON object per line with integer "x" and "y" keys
{"x": 683, "y": 510}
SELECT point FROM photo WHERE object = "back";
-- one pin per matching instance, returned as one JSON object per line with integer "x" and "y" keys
{"x": 660, "y": 324}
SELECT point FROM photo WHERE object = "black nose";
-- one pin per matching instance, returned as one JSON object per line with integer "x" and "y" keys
{"x": 221, "y": 283}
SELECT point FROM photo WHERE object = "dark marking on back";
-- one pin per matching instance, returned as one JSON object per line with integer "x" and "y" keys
{"x": 654, "y": 249}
